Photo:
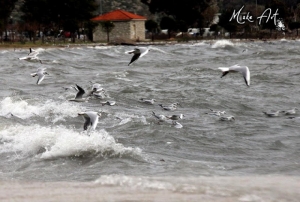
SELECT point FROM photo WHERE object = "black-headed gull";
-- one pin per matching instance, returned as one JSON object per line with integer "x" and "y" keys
{"x": 137, "y": 53}
{"x": 176, "y": 124}
{"x": 98, "y": 91}
{"x": 32, "y": 55}
{"x": 291, "y": 111}
{"x": 176, "y": 117}
{"x": 216, "y": 113}
{"x": 244, "y": 70}
{"x": 170, "y": 107}
{"x": 91, "y": 119}
{"x": 109, "y": 103}
{"x": 41, "y": 72}
{"x": 160, "y": 117}
{"x": 272, "y": 114}
{"x": 148, "y": 101}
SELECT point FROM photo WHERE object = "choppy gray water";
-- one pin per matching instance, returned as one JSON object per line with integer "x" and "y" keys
{"x": 46, "y": 142}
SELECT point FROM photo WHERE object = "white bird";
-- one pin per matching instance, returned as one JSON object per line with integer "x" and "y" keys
{"x": 176, "y": 117}
{"x": 97, "y": 87}
{"x": 170, "y": 107}
{"x": 291, "y": 111}
{"x": 137, "y": 53}
{"x": 110, "y": 103}
{"x": 244, "y": 70}
{"x": 216, "y": 113}
{"x": 229, "y": 118}
{"x": 160, "y": 118}
{"x": 79, "y": 95}
{"x": 91, "y": 119}
{"x": 32, "y": 55}
{"x": 147, "y": 101}
{"x": 272, "y": 114}
{"x": 41, "y": 72}
{"x": 98, "y": 91}
{"x": 176, "y": 124}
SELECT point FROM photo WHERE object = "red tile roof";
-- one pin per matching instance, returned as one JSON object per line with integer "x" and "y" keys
{"x": 118, "y": 15}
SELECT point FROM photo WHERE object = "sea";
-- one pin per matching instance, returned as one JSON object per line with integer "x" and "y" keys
{"x": 130, "y": 156}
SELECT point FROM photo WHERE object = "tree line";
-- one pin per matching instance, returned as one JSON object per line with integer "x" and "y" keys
{"x": 200, "y": 14}
{"x": 49, "y": 17}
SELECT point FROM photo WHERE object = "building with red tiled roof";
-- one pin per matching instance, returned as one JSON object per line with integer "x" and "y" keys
{"x": 127, "y": 26}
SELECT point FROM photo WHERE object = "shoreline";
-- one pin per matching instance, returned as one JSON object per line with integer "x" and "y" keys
{"x": 18, "y": 45}
{"x": 131, "y": 188}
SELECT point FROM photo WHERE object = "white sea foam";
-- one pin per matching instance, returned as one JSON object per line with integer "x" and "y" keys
{"x": 222, "y": 43}
{"x": 59, "y": 141}
{"x": 4, "y": 51}
{"x": 125, "y": 118}
{"x": 50, "y": 110}
{"x": 157, "y": 50}
{"x": 134, "y": 182}
{"x": 100, "y": 47}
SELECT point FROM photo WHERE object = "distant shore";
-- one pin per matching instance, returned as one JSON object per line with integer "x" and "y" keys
{"x": 18, "y": 45}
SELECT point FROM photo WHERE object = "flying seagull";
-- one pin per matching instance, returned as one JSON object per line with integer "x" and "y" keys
{"x": 41, "y": 72}
{"x": 244, "y": 70}
{"x": 32, "y": 55}
{"x": 137, "y": 53}
{"x": 91, "y": 119}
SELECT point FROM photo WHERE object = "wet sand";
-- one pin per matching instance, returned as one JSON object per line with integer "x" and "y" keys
{"x": 209, "y": 189}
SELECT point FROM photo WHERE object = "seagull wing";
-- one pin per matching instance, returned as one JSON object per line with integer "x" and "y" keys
{"x": 87, "y": 121}
{"x": 134, "y": 58}
{"x": 80, "y": 92}
{"x": 41, "y": 77}
{"x": 225, "y": 70}
{"x": 245, "y": 72}
{"x": 93, "y": 119}
{"x": 246, "y": 75}
{"x": 144, "y": 51}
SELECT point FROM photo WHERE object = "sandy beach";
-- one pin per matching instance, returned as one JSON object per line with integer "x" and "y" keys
{"x": 124, "y": 188}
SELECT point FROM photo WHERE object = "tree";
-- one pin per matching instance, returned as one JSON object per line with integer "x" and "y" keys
{"x": 151, "y": 26}
{"x": 6, "y": 6}
{"x": 225, "y": 22}
{"x": 215, "y": 28}
{"x": 294, "y": 25}
{"x": 107, "y": 26}
{"x": 187, "y": 10}
{"x": 90, "y": 27}
{"x": 209, "y": 14}
{"x": 169, "y": 24}
{"x": 66, "y": 14}
{"x": 282, "y": 13}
